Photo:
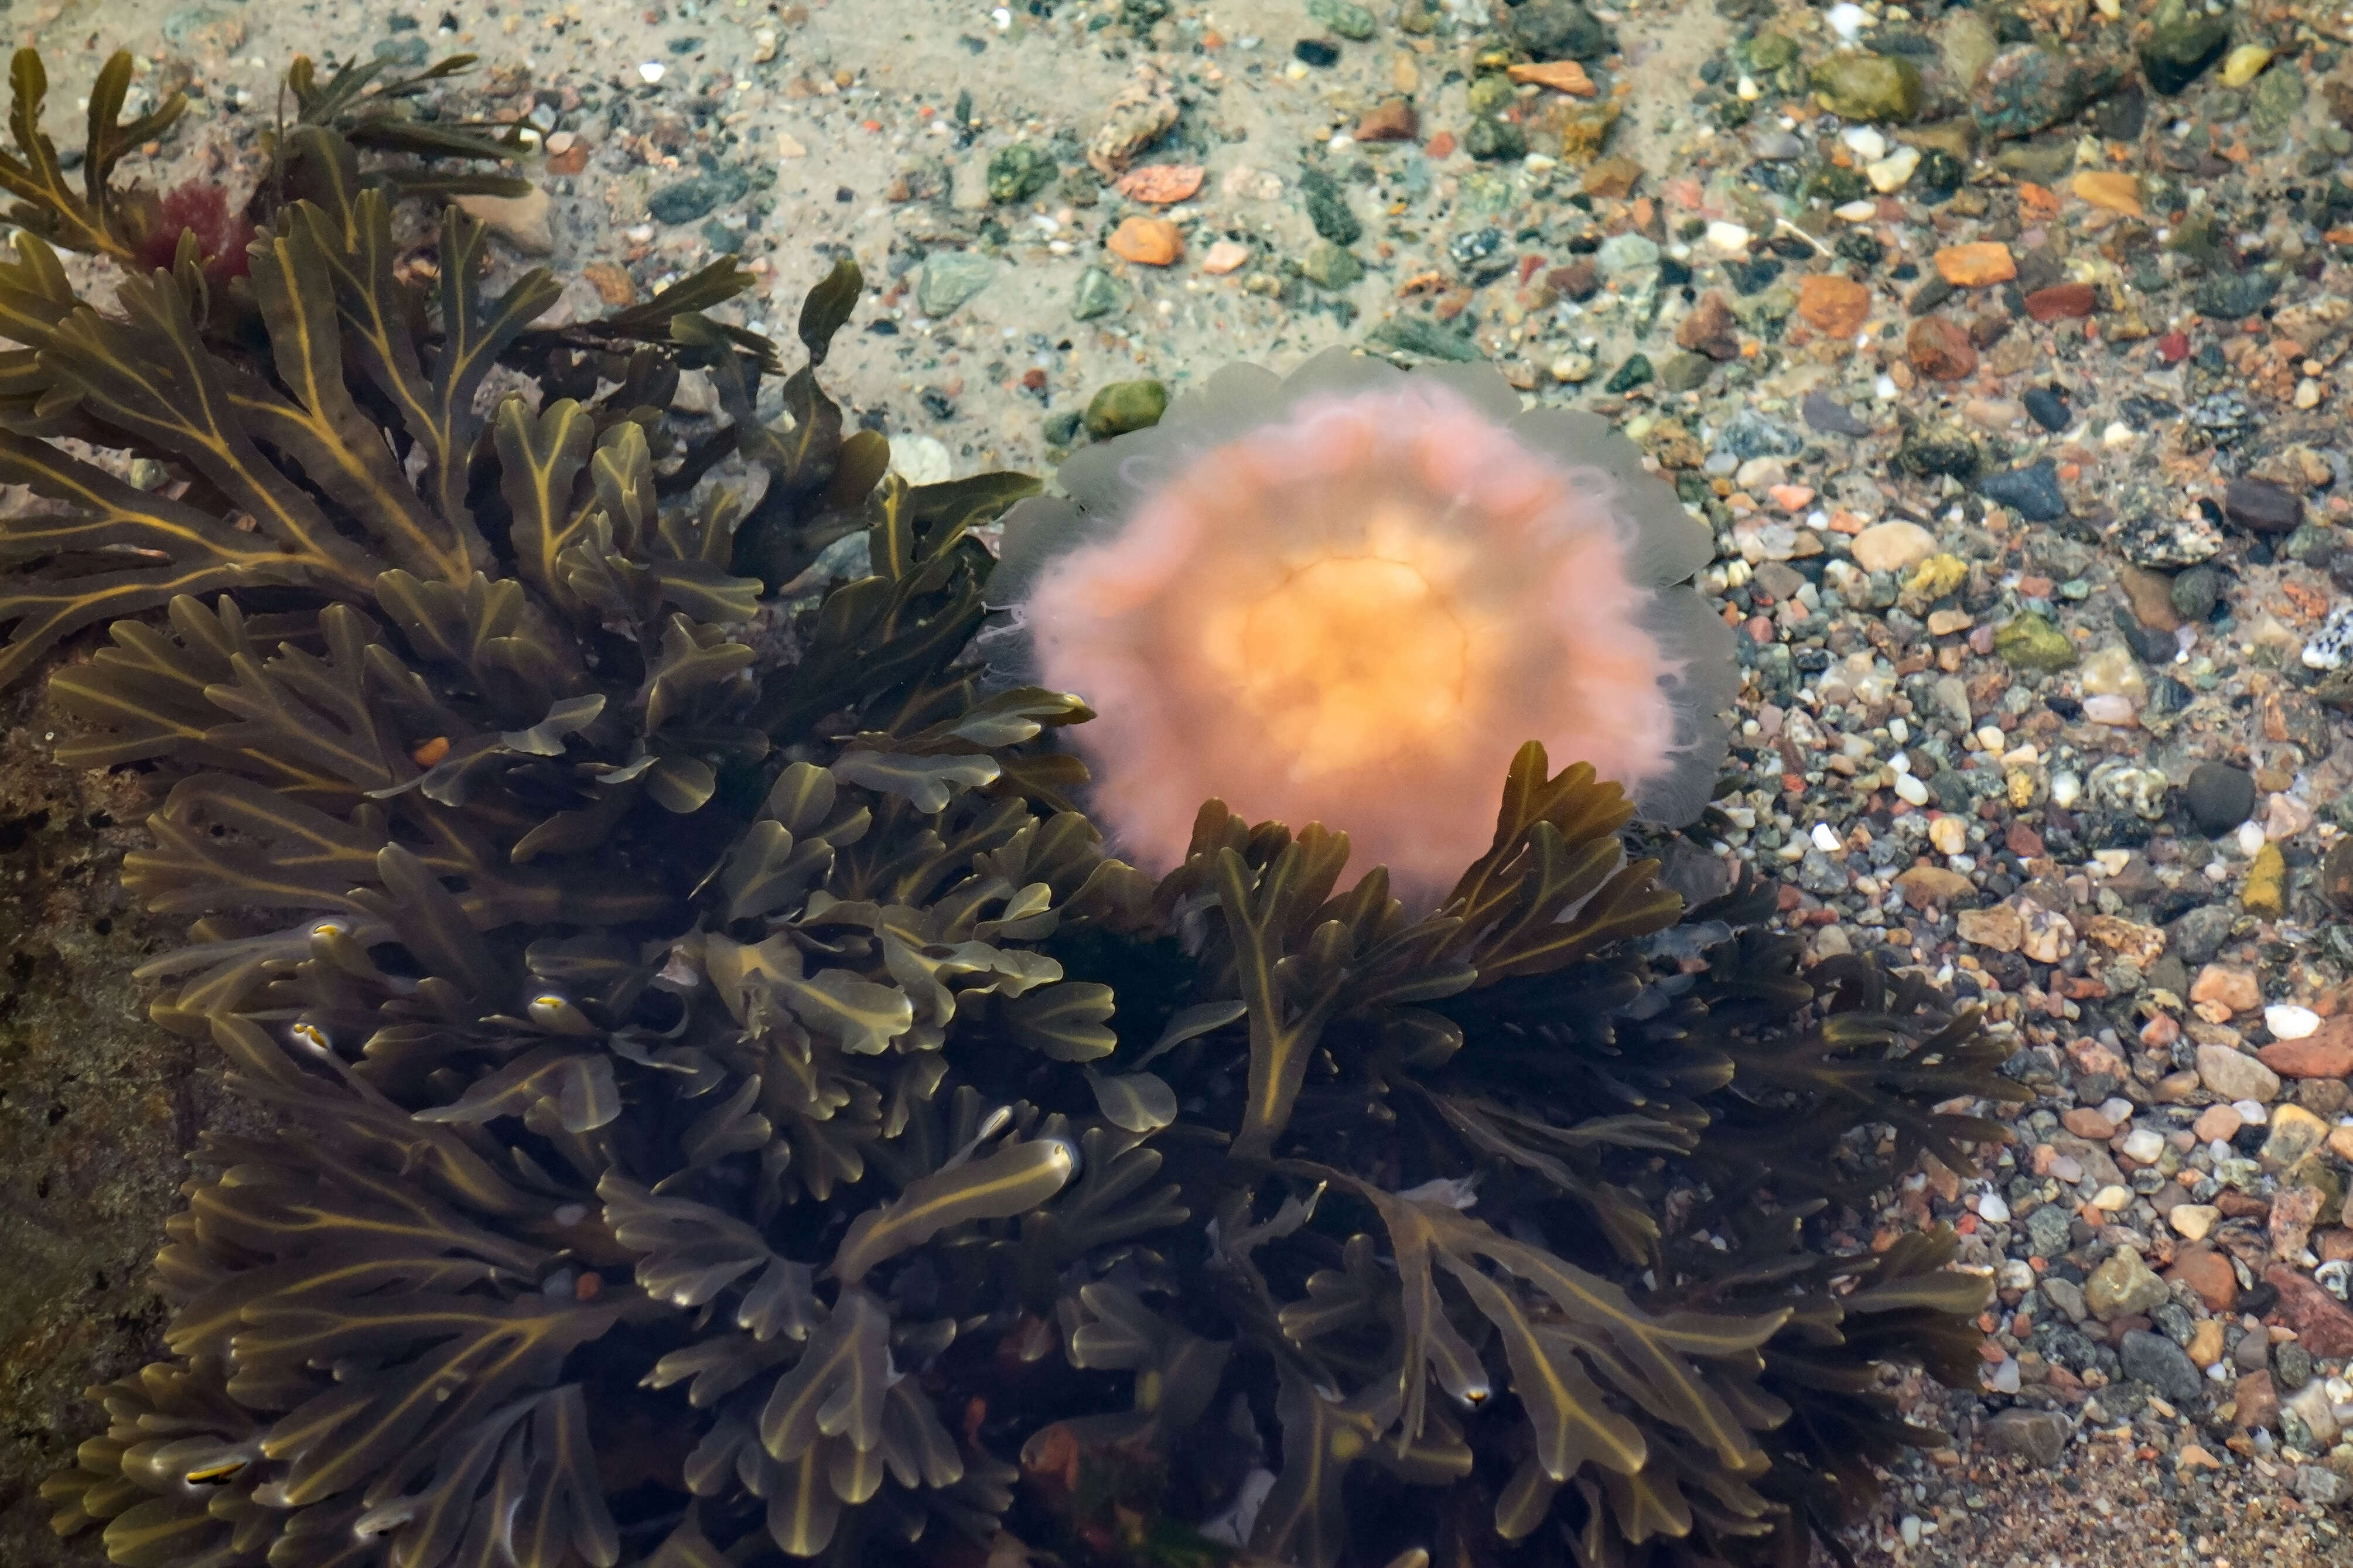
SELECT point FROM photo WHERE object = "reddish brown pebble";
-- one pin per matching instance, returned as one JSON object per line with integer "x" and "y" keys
{"x": 2173, "y": 348}
{"x": 588, "y": 1287}
{"x": 427, "y": 753}
{"x": 2322, "y": 1325}
{"x": 2207, "y": 1273}
{"x": 2328, "y": 1053}
{"x": 2061, "y": 300}
{"x": 1393, "y": 121}
{"x": 1162, "y": 185}
{"x": 1711, "y": 328}
{"x": 1441, "y": 145}
{"x": 1833, "y": 303}
{"x": 1939, "y": 350}
{"x": 2257, "y": 1400}
{"x": 2085, "y": 1122}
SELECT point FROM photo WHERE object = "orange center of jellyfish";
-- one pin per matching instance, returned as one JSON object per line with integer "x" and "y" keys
{"x": 1351, "y": 657}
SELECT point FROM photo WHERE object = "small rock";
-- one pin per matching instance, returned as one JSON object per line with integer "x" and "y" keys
{"x": 1559, "y": 30}
{"x": 2032, "y": 492}
{"x": 2217, "y": 1122}
{"x": 2320, "y": 1486}
{"x": 1635, "y": 372}
{"x": 1393, "y": 120}
{"x": 2207, "y": 1273}
{"x": 2047, "y": 407}
{"x": 2122, "y": 1287}
{"x": 1140, "y": 115}
{"x": 2322, "y": 1325}
{"x": 1125, "y": 405}
{"x": 1835, "y": 304}
{"x": 1976, "y": 265}
{"x": 1998, "y": 928}
{"x": 526, "y": 222}
{"x": 1940, "y": 349}
{"x": 2192, "y": 1222}
{"x": 1870, "y": 87}
{"x": 949, "y": 279}
{"x": 1317, "y": 52}
{"x": 2264, "y": 892}
{"x": 1330, "y": 266}
{"x": 2257, "y": 1401}
{"x": 2163, "y": 1365}
{"x": 1160, "y": 185}
{"x": 2033, "y": 642}
{"x": 2196, "y": 592}
{"x": 1225, "y": 256}
{"x": 2117, "y": 193}
{"x": 1896, "y": 546}
{"x": 1097, "y": 293}
{"x": 2061, "y": 302}
{"x": 1711, "y": 328}
{"x": 1613, "y": 179}
{"x": 2040, "y": 1435}
{"x": 2219, "y": 797}
{"x": 2231, "y": 1074}
{"x": 2258, "y": 506}
{"x": 2180, "y": 45}
{"x": 693, "y": 197}
{"x": 2295, "y": 1132}
{"x": 1015, "y": 173}
{"x": 1827, "y": 414}
{"x": 1345, "y": 17}
{"x": 1938, "y": 449}
{"x": 1625, "y": 253}
{"x": 1147, "y": 241}
{"x": 2326, "y": 1054}
{"x": 1561, "y": 75}
{"x": 2244, "y": 64}
{"x": 2029, "y": 86}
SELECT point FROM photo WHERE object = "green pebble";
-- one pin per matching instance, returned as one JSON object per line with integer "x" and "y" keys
{"x": 1344, "y": 17}
{"x": 1634, "y": 372}
{"x": 1330, "y": 266}
{"x": 1062, "y": 427}
{"x": 1017, "y": 173}
{"x": 1098, "y": 294}
{"x": 1331, "y": 218}
{"x": 950, "y": 277}
{"x": 2032, "y": 642}
{"x": 1423, "y": 336}
{"x": 1490, "y": 94}
{"x": 2273, "y": 106}
{"x": 1495, "y": 140}
{"x": 1769, "y": 52}
{"x": 1125, "y": 405}
{"x": 1870, "y": 87}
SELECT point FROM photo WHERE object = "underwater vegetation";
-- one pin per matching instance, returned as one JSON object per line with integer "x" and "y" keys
{"x": 731, "y": 1107}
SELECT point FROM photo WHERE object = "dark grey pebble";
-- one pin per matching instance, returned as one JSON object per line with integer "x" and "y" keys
{"x": 2163, "y": 1365}
{"x": 2032, "y": 492}
{"x": 2220, "y": 797}
{"x": 2048, "y": 408}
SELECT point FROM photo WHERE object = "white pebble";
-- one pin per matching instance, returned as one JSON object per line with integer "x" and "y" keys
{"x": 1893, "y": 172}
{"x": 1826, "y": 839}
{"x": 1856, "y": 212}
{"x": 2291, "y": 1023}
{"x": 2109, "y": 708}
{"x": 2251, "y": 1111}
{"x": 1992, "y": 1209}
{"x": 1846, "y": 19}
{"x": 2066, "y": 789}
{"x": 652, "y": 71}
{"x": 2004, "y": 1378}
{"x": 1866, "y": 143}
{"x": 1729, "y": 237}
{"x": 1910, "y": 1527}
{"x": 1911, "y": 789}
{"x": 2250, "y": 838}
{"x": 2144, "y": 1144}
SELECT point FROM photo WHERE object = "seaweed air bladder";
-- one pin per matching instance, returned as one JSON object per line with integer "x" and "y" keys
{"x": 1349, "y": 596}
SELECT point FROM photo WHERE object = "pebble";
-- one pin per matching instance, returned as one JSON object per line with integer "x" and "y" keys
{"x": 950, "y": 277}
{"x": 2219, "y": 797}
{"x": 1147, "y": 241}
{"x": 2229, "y": 1072}
{"x": 2115, "y": 192}
{"x": 1976, "y": 265}
{"x": 1893, "y": 546}
{"x": 1125, "y": 405}
{"x": 526, "y": 222}
{"x": 2032, "y": 492}
{"x": 1833, "y": 303}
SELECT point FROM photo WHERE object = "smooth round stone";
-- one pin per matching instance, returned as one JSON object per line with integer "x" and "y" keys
{"x": 2291, "y": 1023}
{"x": 1992, "y": 1209}
{"x": 2221, "y": 797}
{"x": 2252, "y": 1111}
{"x": 2144, "y": 1144}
